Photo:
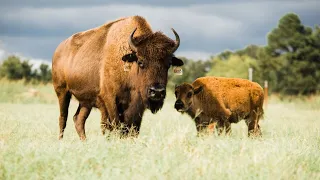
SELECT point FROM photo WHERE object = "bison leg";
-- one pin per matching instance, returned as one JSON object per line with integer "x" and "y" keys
{"x": 199, "y": 124}
{"x": 64, "y": 101}
{"x": 205, "y": 124}
{"x": 223, "y": 121}
{"x": 133, "y": 117}
{"x": 112, "y": 111}
{"x": 220, "y": 127}
{"x": 253, "y": 124}
{"x": 80, "y": 119}
{"x": 105, "y": 124}
{"x": 76, "y": 114}
{"x": 228, "y": 127}
{"x": 131, "y": 129}
{"x": 223, "y": 125}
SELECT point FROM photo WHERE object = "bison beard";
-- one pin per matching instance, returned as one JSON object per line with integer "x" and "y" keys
{"x": 155, "y": 106}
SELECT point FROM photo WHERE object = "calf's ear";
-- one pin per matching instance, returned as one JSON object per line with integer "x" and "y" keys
{"x": 132, "y": 57}
{"x": 177, "y": 62}
{"x": 197, "y": 90}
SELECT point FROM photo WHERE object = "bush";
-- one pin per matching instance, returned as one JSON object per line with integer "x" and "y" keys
{"x": 13, "y": 68}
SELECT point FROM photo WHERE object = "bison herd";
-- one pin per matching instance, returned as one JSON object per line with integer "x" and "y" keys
{"x": 121, "y": 68}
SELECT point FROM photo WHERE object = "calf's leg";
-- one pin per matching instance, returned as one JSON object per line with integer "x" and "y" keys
{"x": 227, "y": 125}
{"x": 253, "y": 124}
{"x": 220, "y": 127}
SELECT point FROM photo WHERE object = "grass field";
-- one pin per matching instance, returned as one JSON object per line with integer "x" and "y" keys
{"x": 167, "y": 147}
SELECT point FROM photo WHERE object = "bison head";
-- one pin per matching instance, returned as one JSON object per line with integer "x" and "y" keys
{"x": 152, "y": 56}
{"x": 184, "y": 95}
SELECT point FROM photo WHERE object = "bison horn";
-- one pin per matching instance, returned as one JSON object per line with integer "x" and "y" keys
{"x": 132, "y": 46}
{"x": 177, "y": 41}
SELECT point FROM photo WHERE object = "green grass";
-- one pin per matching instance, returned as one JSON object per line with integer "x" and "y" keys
{"x": 19, "y": 92}
{"x": 167, "y": 147}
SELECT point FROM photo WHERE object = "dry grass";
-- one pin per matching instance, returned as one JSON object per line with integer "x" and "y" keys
{"x": 167, "y": 147}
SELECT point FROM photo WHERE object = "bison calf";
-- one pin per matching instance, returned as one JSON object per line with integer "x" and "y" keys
{"x": 223, "y": 101}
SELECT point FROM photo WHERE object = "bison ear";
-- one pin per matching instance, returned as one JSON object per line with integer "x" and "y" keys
{"x": 132, "y": 57}
{"x": 197, "y": 90}
{"x": 176, "y": 62}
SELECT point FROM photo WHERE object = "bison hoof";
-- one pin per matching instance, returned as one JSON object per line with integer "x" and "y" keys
{"x": 83, "y": 138}
{"x": 256, "y": 134}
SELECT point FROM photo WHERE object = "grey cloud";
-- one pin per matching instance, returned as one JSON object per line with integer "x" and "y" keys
{"x": 79, "y": 3}
{"x": 32, "y": 47}
{"x": 205, "y": 27}
{"x": 65, "y": 19}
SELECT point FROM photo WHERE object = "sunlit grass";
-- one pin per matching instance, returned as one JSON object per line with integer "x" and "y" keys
{"x": 167, "y": 147}
{"x": 20, "y": 92}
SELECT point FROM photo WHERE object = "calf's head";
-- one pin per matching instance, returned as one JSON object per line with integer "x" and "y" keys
{"x": 152, "y": 56}
{"x": 184, "y": 96}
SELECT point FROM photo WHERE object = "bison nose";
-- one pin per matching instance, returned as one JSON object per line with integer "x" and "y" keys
{"x": 178, "y": 105}
{"x": 157, "y": 92}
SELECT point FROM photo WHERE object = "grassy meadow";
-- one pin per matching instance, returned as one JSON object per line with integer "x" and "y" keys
{"x": 167, "y": 147}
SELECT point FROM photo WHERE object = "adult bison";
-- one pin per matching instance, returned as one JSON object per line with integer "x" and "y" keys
{"x": 222, "y": 101}
{"x": 90, "y": 66}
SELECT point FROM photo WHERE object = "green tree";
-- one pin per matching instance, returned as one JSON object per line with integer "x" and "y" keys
{"x": 269, "y": 68}
{"x": 26, "y": 70}
{"x": 288, "y": 37}
{"x": 14, "y": 69}
{"x": 251, "y": 51}
{"x": 299, "y": 48}
{"x": 45, "y": 73}
{"x": 235, "y": 67}
{"x": 11, "y": 68}
{"x": 224, "y": 55}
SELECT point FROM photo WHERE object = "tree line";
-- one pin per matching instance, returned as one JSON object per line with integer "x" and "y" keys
{"x": 13, "y": 68}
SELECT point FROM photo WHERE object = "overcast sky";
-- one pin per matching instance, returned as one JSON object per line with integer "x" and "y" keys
{"x": 34, "y": 28}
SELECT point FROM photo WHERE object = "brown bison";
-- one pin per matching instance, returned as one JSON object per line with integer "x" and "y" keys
{"x": 219, "y": 100}
{"x": 90, "y": 66}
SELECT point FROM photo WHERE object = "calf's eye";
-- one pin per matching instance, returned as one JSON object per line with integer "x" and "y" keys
{"x": 189, "y": 95}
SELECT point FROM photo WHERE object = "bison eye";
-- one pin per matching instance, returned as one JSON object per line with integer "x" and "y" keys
{"x": 189, "y": 94}
{"x": 176, "y": 93}
{"x": 140, "y": 64}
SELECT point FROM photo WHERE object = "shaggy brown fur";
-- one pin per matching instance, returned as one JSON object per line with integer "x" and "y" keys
{"x": 221, "y": 100}
{"x": 89, "y": 66}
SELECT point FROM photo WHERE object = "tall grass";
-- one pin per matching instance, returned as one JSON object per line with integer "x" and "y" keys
{"x": 167, "y": 147}
{"x": 20, "y": 92}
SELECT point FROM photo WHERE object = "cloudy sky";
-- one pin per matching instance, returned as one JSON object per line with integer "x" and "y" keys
{"x": 34, "y": 28}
